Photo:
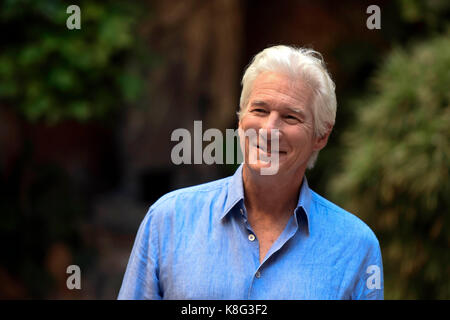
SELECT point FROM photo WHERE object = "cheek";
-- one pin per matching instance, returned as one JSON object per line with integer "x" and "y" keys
{"x": 299, "y": 140}
{"x": 249, "y": 122}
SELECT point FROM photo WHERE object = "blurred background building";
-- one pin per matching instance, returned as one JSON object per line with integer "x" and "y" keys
{"x": 86, "y": 118}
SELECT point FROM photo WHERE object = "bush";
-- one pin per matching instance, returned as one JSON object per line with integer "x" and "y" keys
{"x": 395, "y": 172}
{"x": 51, "y": 73}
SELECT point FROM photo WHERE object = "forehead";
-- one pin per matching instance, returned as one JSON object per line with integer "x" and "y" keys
{"x": 276, "y": 88}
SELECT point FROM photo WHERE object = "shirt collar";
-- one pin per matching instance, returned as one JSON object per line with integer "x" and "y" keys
{"x": 235, "y": 195}
{"x": 235, "y": 192}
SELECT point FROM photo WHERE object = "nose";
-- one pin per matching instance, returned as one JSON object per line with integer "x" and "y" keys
{"x": 271, "y": 122}
{"x": 272, "y": 125}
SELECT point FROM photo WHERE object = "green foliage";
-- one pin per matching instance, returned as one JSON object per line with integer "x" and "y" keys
{"x": 433, "y": 13}
{"x": 51, "y": 73}
{"x": 395, "y": 172}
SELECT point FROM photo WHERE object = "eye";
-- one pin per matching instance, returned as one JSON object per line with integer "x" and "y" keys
{"x": 292, "y": 119}
{"x": 259, "y": 110}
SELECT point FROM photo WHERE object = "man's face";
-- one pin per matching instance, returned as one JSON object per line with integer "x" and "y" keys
{"x": 278, "y": 103}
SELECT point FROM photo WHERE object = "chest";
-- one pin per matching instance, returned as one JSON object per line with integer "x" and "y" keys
{"x": 220, "y": 271}
{"x": 267, "y": 233}
{"x": 222, "y": 263}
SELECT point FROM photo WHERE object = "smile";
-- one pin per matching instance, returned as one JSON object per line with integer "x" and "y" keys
{"x": 281, "y": 152}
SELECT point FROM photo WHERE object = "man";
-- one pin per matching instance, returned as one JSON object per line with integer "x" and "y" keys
{"x": 254, "y": 235}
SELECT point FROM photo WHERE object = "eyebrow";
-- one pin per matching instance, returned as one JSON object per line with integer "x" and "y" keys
{"x": 261, "y": 103}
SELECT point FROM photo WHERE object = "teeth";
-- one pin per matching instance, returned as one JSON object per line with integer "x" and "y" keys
{"x": 266, "y": 149}
{"x": 273, "y": 151}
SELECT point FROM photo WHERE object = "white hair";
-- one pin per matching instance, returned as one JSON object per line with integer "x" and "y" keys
{"x": 297, "y": 63}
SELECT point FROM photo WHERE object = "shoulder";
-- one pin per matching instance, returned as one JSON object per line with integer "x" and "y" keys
{"x": 342, "y": 223}
{"x": 190, "y": 200}
{"x": 201, "y": 191}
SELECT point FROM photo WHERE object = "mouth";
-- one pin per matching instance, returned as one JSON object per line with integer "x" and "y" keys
{"x": 268, "y": 151}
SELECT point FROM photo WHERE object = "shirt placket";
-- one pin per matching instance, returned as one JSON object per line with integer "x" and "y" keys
{"x": 251, "y": 237}
{"x": 289, "y": 231}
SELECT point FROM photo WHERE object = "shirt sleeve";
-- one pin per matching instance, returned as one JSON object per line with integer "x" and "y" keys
{"x": 370, "y": 285}
{"x": 141, "y": 276}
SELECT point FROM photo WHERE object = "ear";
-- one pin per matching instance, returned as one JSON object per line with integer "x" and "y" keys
{"x": 321, "y": 142}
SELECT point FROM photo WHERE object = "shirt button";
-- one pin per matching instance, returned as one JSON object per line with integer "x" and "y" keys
{"x": 251, "y": 237}
{"x": 242, "y": 211}
{"x": 258, "y": 274}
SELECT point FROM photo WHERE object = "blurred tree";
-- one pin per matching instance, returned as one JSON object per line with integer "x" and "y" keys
{"x": 432, "y": 14}
{"x": 51, "y": 73}
{"x": 395, "y": 172}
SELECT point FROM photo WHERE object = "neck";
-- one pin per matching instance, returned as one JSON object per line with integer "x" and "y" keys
{"x": 271, "y": 196}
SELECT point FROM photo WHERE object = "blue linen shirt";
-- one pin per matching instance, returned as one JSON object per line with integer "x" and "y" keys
{"x": 196, "y": 243}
